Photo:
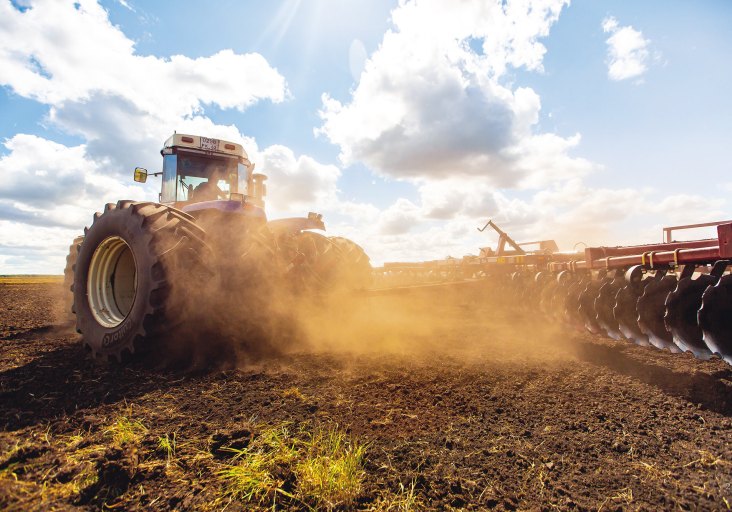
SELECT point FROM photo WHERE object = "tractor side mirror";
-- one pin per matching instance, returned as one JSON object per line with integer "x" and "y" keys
{"x": 140, "y": 175}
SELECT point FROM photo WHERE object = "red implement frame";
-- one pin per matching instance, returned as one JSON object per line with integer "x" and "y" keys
{"x": 662, "y": 255}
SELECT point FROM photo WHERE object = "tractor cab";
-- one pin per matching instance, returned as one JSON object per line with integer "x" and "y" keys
{"x": 201, "y": 169}
{"x": 213, "y": 181}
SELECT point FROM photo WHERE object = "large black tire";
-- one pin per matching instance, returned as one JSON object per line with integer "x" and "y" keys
{"x": 268, "y": 324}
{"x": 130, "y": 276}
{"x": 315, "y": 268}
{"x": 67, "y": 299}
{"x": 261, "y": 259}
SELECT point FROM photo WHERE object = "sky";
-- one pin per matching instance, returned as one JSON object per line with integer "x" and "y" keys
{"x": 407, "y": 124}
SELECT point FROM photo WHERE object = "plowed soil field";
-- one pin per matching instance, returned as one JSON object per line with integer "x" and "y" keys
{"x": 482, "y": 409}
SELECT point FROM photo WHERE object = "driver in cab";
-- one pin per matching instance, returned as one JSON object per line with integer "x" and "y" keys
{"x": 209, "y": 190}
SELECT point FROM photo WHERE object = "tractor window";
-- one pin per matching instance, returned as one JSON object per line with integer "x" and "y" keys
{"x": 243, "y": 179}
{"x": 194, "y": 170}
{"x": 188, "y": 184}
{"x": 169, "y": 167}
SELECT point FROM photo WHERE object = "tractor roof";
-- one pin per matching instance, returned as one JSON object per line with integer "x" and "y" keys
{"x": 180, "y": 140}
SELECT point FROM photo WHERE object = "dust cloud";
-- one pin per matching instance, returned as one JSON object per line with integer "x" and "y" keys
{"x": 252, "y": 295}
{"x": 462, "y": 323}
{"x": 248, "y": 313}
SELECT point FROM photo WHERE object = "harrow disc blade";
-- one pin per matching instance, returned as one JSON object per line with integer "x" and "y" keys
{"x": 715, "y": 318}
{"x": 682, "y": 306}
{"x": 559, "y": 299}
{"x": 651, "y": 308}
{"x": 520, "y": 285}
{"x": 572, "y": 304}
{"x": 546, "y": 300}
{"x": 626, "y": 314}
{"x": 604, "y": 304}
{"x": 587, "y": 306}
{"x": 538, "y": 284}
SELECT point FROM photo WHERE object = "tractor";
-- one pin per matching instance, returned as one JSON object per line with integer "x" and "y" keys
{"x": 144, "y": 268}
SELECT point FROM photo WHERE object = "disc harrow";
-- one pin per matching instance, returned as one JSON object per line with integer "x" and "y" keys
{"x": 672, "y": 295}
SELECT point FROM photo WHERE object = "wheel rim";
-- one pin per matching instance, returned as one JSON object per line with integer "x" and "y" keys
{"x": 112, "y": 282}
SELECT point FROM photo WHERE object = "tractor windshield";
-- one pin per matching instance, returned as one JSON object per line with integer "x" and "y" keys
{"x": 205, "y": 178}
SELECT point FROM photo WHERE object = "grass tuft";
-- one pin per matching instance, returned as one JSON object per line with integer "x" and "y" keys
{"x": 167, "y": 445}
{"x": 294, "y": 392}
{"x": 126, "y": 431}
{"x": 251, "y": 475}
{"x": 331, "y": 471}
{"x": 321, "y": 469}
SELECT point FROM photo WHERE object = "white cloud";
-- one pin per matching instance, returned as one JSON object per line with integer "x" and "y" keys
{"x": 429, "y": 104}
{"x": 70, "y": 57}
{"x": 47, "y": 50}
{"x": 434, "y": 108}
{"x": 575, "y": 212}
{"x": 569, "y": 213}
{"x": 54, "y": 184}
{"x": 399, "y": 218}
{"x": 29, "y": 249}
{"x": 48, "y": 194}
{"x": 300, "y": 182}
{"x": 446, "y": 199}
{"x": 627, "y": 51}
{"x": 399, "y": 236}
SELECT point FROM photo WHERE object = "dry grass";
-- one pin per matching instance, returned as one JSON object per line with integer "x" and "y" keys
{"x": 294, "y": 392}
{"x": 125, "y": 431}
{"x": 331, "y": 470}
{"x": 706, "y": 460}
{"x": 322, "y": 469}
{"x": 623, "y": 497}
{"x": 167, "y": 445}
{"x": 405, "y": 500}
{"x": 34, "y": 484}
{"x": 21, "y": 495}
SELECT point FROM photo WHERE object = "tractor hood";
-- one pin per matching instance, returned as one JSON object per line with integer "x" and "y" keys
{"x": 297, "y": 224}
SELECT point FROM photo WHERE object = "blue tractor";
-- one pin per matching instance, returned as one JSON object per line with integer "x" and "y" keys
{"x": 143, "y": 268}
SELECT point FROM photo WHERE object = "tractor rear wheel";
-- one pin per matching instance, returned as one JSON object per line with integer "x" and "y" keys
{"x": 316, "y": 265}
{"x": 329, "y": 264}
{"x": 129, "y": 273}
